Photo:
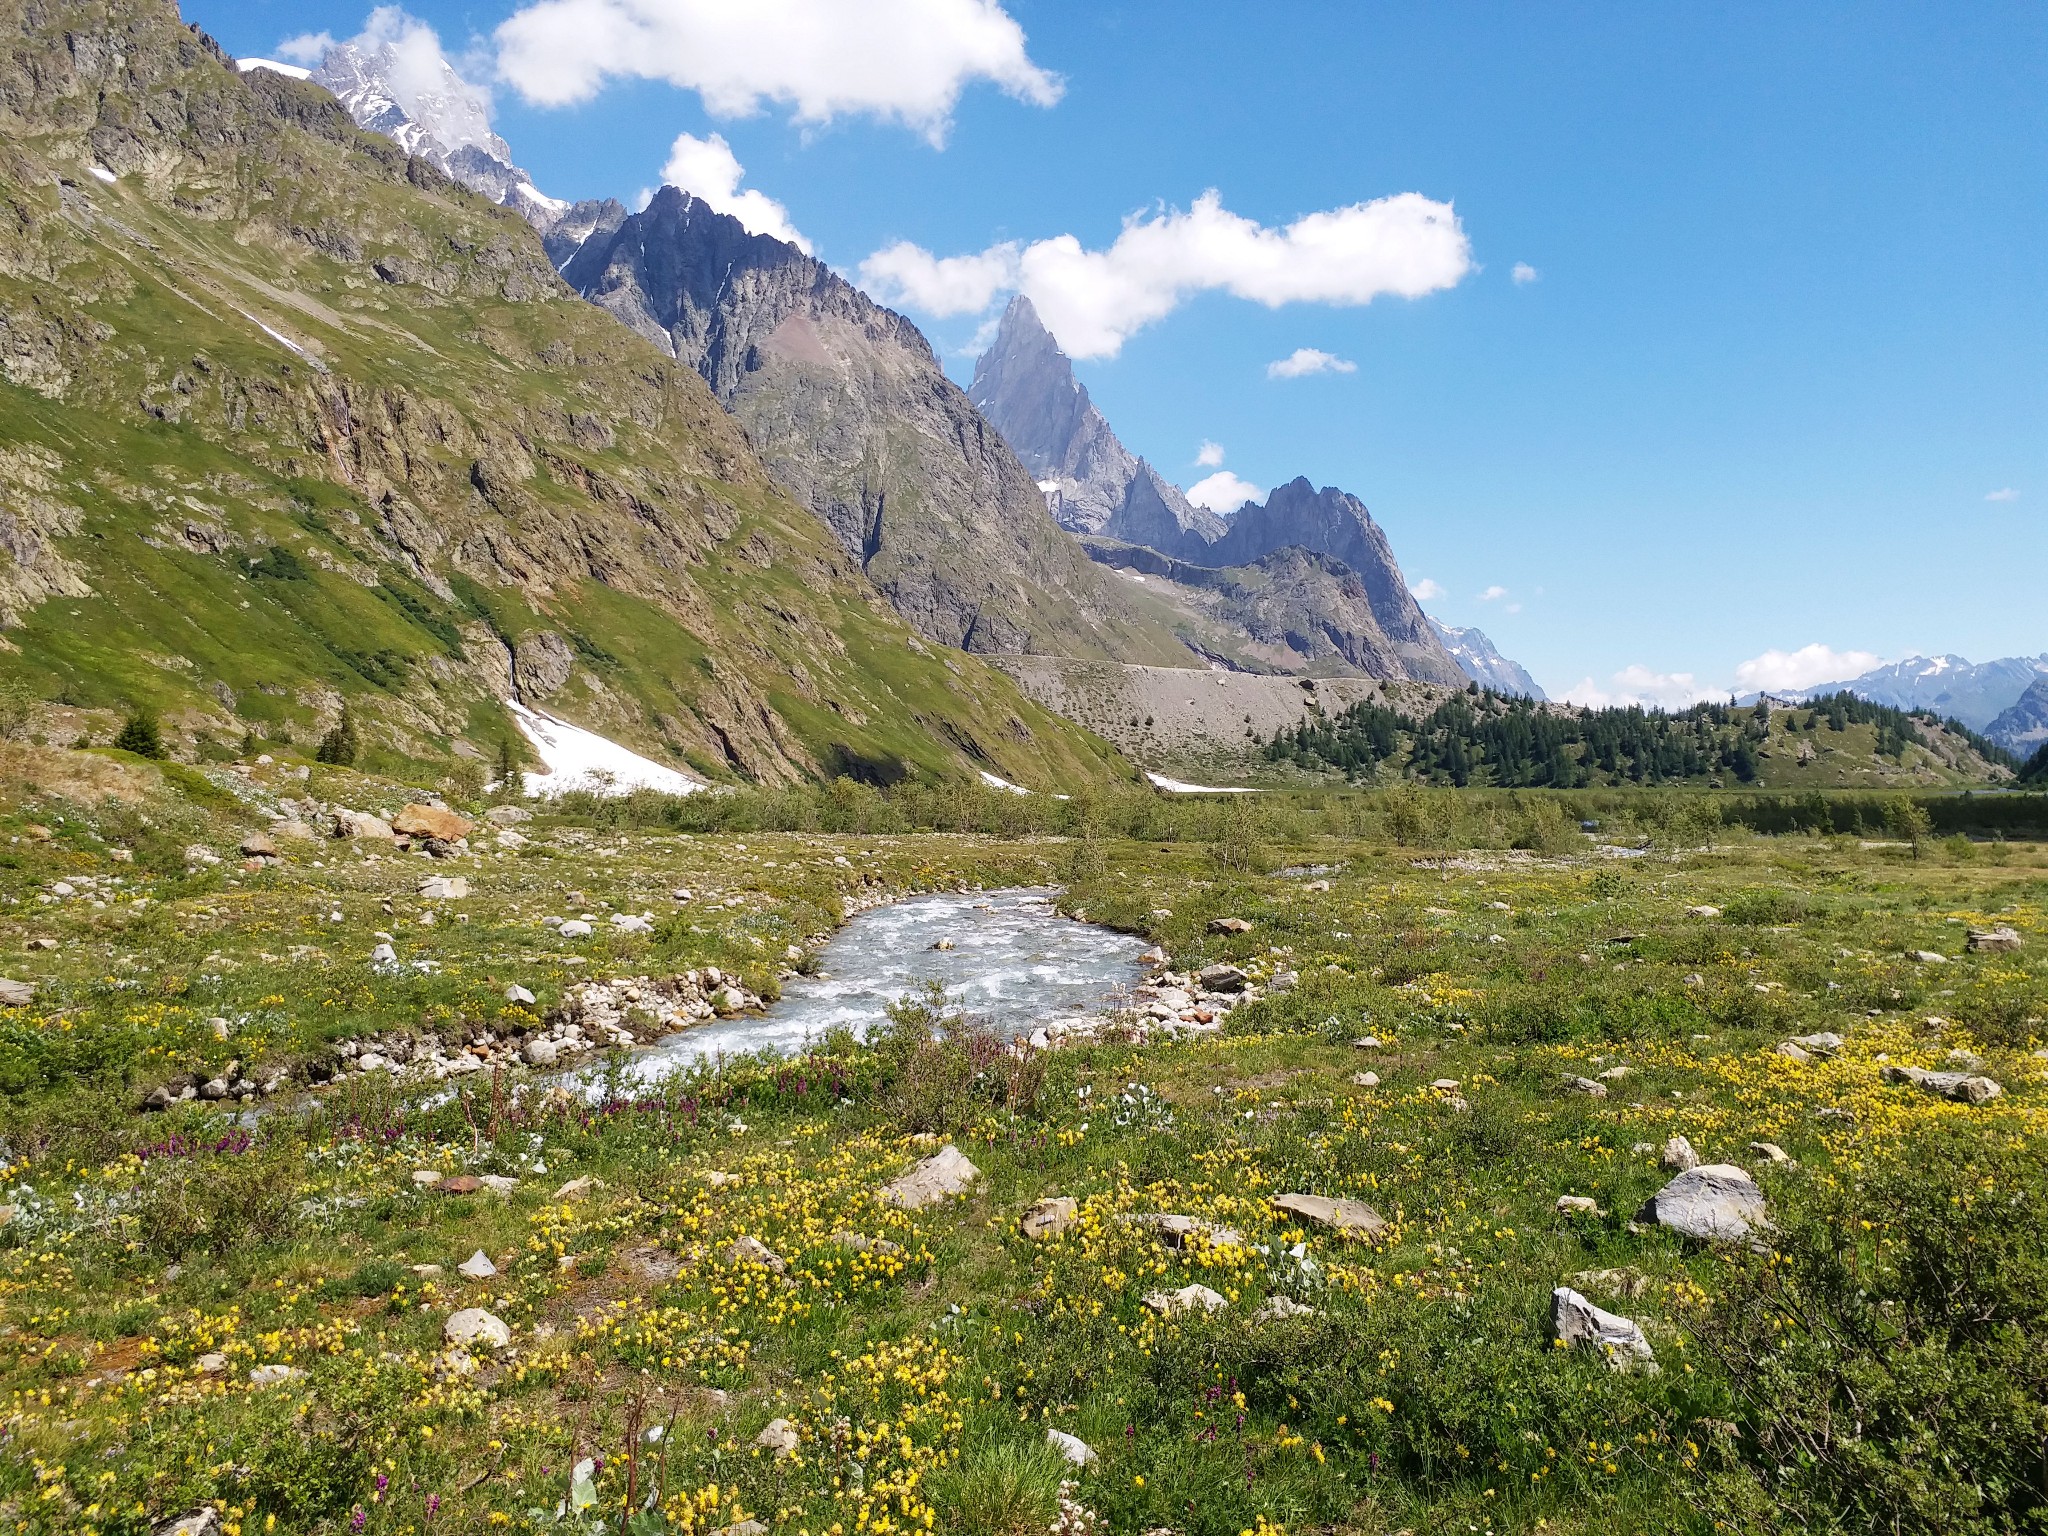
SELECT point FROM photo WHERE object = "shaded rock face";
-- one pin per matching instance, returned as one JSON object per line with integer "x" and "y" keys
{"x": 849, "y": 408}
{"x": 2023, "y": 728}
{"x": 1484, "y": 664}
{"x": 1155, "y": 513}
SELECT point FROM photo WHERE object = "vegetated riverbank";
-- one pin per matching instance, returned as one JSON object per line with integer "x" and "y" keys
{"x": 263, "y": 1323}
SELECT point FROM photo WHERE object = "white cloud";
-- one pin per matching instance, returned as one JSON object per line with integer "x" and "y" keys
{"x": 308, "y": 48}
{"x": 709, "y": 169}
{"x": 1640, "y": 685}
{"x": 1524, "y": 274}
{"x": 1223, "y": 492}
{"x": 1428, "y": 591}
{"x": 902, "y": 61}
{"x": 1810, "y": 665}
{"x": 1303, "y": 361}
{"x": 1493, "y": 594}
{"x": 1209, "y": 455}
{"x": 2008, "y": 494}
{"x": 1094, "y": 301}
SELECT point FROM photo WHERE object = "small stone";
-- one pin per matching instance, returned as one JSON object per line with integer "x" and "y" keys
{"x": 1284, "y": 981}
{"x": 477, "y": 1266}
{"x": 426, "y": 1178}
{"x": 1221, "y": 978}
{"x": 1702, "y": 911}
{"x": 1365, "y": 1079}
{"x": 860, "y": 1242}
{"x": 540, "y": 1052}
{"x": 742, "y": 1528}
{"x": 518, "y": 994}
{"x": 1338, "y": 1214}
{"x": 1073, "y": 1448}
{"x": 1317, "y": 888}
{"x": 942, "y": 944}
{"x": 576, "y": 1189}
{"x": 1229, "y": 925}
{"x": 1678, "y": 1156}
{"x": 1153, "y": 956}
{"x": 16, "y": 994}
{"x": 1445, "y": 1085}
{"x": 1770, "y": 1152}
{"x": 1050, "y": 1217}
{"x": 1367, "y": 1043}
{"x": 780, "y": 1437}
{"x": 258, "y": 845}
{"x": 204, "y": 1521}
{"x": 444, "y": 887}
{"x": 507, "y": 815}
{"x": 1278, "y": 1308}
{"x": 271, "y": 1375}
{"x": 1576, "y": 1322}
{"x": 461, "y": 1184}
{"x": 1825, "y": 1043}
{"x": 1586, "y": 1086}
{"x": 575, "y": 928}
{"x": 751, "y": 1250}
{"x": 1577, "y": 1205}
{"x": 1928, "y": 957}
{"x": 212, "y": 1363}
{"x": 1794, "y": 1052}
{"x": 473, "y": 1326}
{"x": 1187, "y": 1298}
{"x": 945, "y": 1173}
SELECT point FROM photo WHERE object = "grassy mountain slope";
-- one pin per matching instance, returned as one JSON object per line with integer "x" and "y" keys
{"x": 288, "y": 420}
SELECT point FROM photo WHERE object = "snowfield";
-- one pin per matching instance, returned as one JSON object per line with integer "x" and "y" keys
{"x": 1176, "y": 787}
{"x": 580, "y": 759}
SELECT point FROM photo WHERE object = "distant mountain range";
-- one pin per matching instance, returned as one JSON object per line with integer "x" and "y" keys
{"x": 976, "y": 513}
{"x": 1486, "y": 666}
{"x": 1976, "y": 693}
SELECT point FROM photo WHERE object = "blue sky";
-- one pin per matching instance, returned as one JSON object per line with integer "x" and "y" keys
{"x": 1781, "y": 337}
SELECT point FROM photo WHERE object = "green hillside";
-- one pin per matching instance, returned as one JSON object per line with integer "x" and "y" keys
{"x": 288, "y": 420}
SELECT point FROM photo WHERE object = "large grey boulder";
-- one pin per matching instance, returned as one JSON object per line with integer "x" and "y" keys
{"x": 1715, "y": 1202}
{"x": 1577, "y": 1323}
{"x": 946, "y": 1173}
{"x": 2003, "y": 939}
{"x": 1963, "y": 1087}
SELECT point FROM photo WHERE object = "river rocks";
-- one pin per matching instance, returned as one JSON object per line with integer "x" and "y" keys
{"x": 944, "y": 1174}
{"x": 2002, "y": 940}
{"x": 432, "y": 821}
{"x": 477, "y": 1266}
{"x": 1336, "y": 1214}
{"x": 1222, "y": 978}
{"x": 1049, "y": 1217}
{"x": 1229, "y": 925}
{"x": 1963, "y": 1087}
{"x": 1714, "y": 1202}
{"x": 473, "y": 1327}
{"x": 780, "y": 1437}
{"x": 1076, "y": 1451}
{"x": 16, "y": 994}
{"x": 1578, "y": 1324}
{"x": 1678, "y": 1156}
{"x": 540, "y": 1052}
{"x": 1189, "y": 1298}
{"x": 444, "y": 887}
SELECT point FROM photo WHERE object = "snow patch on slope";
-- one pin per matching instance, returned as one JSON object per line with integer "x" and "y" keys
{"x": 1176, "y": 787}
{"x": 289, "y": 71}
{"x": 580, "y": 759}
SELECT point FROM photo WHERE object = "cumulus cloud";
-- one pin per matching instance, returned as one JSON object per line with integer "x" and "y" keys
{"x": 1209, "y": 455}
{"x": 2007, "y": 494}
{"x": 1094, "y": 300}
{"x": 1493, "y": 594}
{"x": 1303, "y": 361}
{"x": 1642, "y": 686}
{"x": 1223, "y": 492}
{"x": 709, "y": 169}
{"x": 1524, "y": 274}
{"x": 903, "y": 61}
{"x": 1807, "y": 667}
{"x": 308, "y": 48}
{"x": 1428, "y": 591}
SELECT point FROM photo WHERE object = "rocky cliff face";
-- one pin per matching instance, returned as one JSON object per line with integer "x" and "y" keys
{"x": 290, "y": 420}
{"x": 2022, "y": 729}
{"x": 1473, "y": 652}
{"x": 846, "y": 403}
{"x": 1025, "y": 386}
{"x": 1336, "y": 523}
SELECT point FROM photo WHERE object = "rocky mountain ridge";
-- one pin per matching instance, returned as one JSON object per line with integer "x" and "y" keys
{"x": 2022, "y": 728}
{"x": 1950, "y": 686}
{"x": 1484, "y": 664}
{"x": 292, "y": 422}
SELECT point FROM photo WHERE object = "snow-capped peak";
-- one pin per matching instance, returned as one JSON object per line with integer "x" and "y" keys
{"x": 289, "y": 71}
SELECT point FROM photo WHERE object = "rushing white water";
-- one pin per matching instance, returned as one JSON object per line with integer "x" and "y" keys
{"x": 1014, "y": 963}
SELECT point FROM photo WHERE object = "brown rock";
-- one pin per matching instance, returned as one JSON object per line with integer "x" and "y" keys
{"x": 1340, "y": 1215}
{"x": 461, "y": 1184}
{"x": 257, "y": 845}
{"x": 432, "y": 821}
{"x": 1229, "y": 925}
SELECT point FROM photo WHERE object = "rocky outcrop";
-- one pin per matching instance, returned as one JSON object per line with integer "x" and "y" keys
{"x": 849, "y": 408}
{"x": 2022, "y": 729}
